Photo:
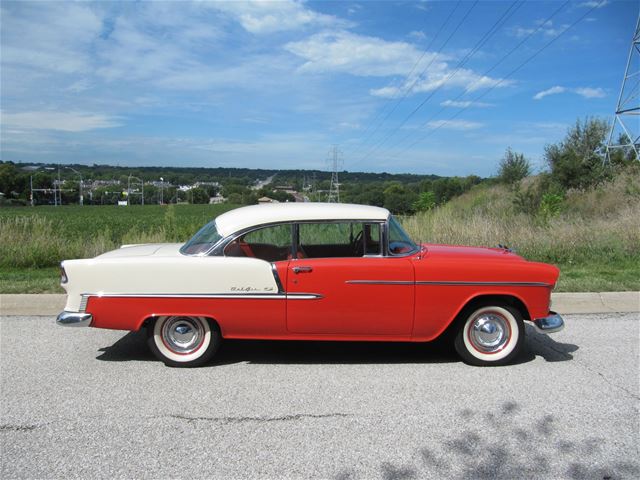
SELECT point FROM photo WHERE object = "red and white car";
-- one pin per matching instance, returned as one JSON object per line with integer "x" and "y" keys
{"x": 311, "y": 271}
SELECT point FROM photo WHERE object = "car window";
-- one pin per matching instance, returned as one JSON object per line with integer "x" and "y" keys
{"x": 339, "y": 239}
{"x": 271, "y": 243}
{"x": 399, "y": 242}
{"x": 203, "y": 240}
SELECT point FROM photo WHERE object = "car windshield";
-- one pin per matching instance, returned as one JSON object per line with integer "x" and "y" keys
{"x": 202, "y": 241}
{"x": 399, "y": 241}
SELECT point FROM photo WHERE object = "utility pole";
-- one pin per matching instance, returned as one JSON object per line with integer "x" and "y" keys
{"x": 625, "y": 129}
{"x": 161, "y": 187}
{"x": 80, "y": 175}
{"x": 335, "y": 160}
{"x": 137, "y": 181}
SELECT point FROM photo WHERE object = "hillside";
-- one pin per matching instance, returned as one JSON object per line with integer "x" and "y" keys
{"x": 592, "y": 235}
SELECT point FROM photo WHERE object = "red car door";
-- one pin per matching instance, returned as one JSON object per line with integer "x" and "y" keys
{"x": 356, "y": 296}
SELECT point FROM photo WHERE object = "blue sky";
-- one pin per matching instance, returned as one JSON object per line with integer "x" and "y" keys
{"x": 276, "y": 84}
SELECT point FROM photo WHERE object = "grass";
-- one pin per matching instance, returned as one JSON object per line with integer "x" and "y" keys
{"x": 595, "y": 239}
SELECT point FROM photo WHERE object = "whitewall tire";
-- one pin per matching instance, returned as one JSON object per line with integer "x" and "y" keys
{"x": 490, "y": 335}
{"x": 181, "y": 341}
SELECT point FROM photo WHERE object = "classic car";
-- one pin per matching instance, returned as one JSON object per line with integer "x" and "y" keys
{"x": 311, "y": 271}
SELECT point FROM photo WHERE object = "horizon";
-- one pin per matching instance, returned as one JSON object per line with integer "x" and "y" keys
{"x": 423, "y": 88}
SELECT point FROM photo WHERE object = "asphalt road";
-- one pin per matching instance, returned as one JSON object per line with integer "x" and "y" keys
{"x": 86, "y": 403}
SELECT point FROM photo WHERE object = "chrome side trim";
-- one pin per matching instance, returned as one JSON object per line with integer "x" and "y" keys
{"x": 493, "y": 284}
{"x": 448, "y": 283}
{"x": 236, "y": 296}
{"x": 74, "y": 319}
{"x": 550, "y": 324}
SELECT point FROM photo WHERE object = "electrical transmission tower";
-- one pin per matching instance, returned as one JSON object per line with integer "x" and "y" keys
{"x": 625, "y": 130}
{"x": 335, "y": 160}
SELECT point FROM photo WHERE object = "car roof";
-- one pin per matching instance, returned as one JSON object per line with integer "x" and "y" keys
{"x": 246, "y": 217}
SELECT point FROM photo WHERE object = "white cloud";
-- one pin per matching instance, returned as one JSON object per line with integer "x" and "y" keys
{"x": 594, "y": 4}
{"x": 550, "y": 91}
{"x": 49, "y": 36}
{"x": 417, "y": 34}
{"x": 540, "y": 26}
{"x": 465, "y": 104}
{"x": 441, "y": 75}
{"x": 60, "y": 121}
{"x": 263, "y": 17}
{"x": 355, "y": 54}
{"x": 454, "y": 124}
{"x": 588, "y": 92}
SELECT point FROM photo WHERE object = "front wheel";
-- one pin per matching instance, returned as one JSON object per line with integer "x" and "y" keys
{"x": 490, "y": 335}
{"x": 183, "y": 341}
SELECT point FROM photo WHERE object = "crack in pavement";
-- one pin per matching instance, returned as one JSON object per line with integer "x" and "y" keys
{"x": 284, "y": 418}
{"x": 585, "y": 366}
{"x": 18, "y": 428}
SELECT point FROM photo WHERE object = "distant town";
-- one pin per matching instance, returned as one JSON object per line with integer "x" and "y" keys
{"x": 30, "y": 184}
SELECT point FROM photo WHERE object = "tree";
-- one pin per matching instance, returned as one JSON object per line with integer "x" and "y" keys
{"x": 198, "y": 195}
{"x": 578, "y": 161}
{"x": 426, "y": 201}
{"x": 399, "y": 199}
{"x": 513, "y": 168}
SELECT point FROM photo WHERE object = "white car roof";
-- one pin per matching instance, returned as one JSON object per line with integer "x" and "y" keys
{"x": 245, "y": 217}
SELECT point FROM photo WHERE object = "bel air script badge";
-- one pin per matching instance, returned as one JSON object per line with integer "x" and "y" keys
{"x": 251, "y": 289}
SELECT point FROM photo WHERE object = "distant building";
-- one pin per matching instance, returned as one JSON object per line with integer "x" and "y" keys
{"x": 216, "y": 200}
{"x": 267, "y": 200}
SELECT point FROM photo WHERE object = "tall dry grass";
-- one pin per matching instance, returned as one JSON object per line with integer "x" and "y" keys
{"x": 602, "y": 224}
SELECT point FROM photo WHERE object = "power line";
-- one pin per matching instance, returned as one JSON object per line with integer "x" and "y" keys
{"x": 540, "y": 50}
{"x": 487, "y": 35}
{"x": 410, "y": 87}
{"x": 486, "y": 72}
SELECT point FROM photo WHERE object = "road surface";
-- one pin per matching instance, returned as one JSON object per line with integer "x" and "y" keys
{"x": 85, "y": 403}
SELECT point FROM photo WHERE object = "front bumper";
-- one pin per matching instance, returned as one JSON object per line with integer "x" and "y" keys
{"x": 550, "y": 324}
{"x": 74, "y": 319}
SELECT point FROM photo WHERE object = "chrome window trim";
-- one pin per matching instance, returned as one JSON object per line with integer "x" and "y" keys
{"x": 218, "y": 249}
{"x": 276, "y": 277}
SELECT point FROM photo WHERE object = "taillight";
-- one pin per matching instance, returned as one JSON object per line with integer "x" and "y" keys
{"x": 63, "y": 275}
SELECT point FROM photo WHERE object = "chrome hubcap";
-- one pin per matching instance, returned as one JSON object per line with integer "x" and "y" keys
{"x": 489, "y": 332}
{"x": 183, "y": 334}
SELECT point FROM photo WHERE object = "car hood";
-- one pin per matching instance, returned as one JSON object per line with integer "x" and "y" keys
{"x": 457, "y": 251}
{"x": 155, "y": 249}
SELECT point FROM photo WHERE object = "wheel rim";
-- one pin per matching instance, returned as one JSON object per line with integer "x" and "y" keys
{"x": 183, "y": 335}
{"x": 489, "y": 332}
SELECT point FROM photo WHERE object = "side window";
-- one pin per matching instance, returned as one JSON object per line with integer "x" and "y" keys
{"x": 344, "y": 239}
{"x": 269, "y": 243}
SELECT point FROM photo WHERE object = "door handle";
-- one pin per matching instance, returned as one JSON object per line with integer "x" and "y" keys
{"x": 302, "y": 269}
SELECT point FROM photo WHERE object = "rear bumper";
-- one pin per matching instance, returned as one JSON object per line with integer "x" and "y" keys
{"x": 550, "y": 324}
{"x": 74, "y": 319}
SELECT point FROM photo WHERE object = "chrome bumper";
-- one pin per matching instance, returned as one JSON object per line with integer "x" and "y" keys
{"x": 74, "y": 319}
{"x": 549, "y": 324}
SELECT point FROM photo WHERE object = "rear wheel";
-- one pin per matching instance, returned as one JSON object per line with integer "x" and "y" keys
{"x": 183, "y": 341}
{"x": 490, "y": 335}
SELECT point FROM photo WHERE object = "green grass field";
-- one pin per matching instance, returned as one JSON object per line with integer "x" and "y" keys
{"x": 595, "y": 240}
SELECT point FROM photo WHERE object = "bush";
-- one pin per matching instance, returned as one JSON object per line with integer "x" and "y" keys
{"x": 513, "y": 168}
{"x": 578, "y": 161}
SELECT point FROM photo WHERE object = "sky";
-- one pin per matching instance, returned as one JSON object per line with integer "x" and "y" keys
{"x": 398, "y": 86}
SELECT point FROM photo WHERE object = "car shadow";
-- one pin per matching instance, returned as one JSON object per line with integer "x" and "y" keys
{"x": 133, "y": 347}
{"x": 542, "y": 345}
